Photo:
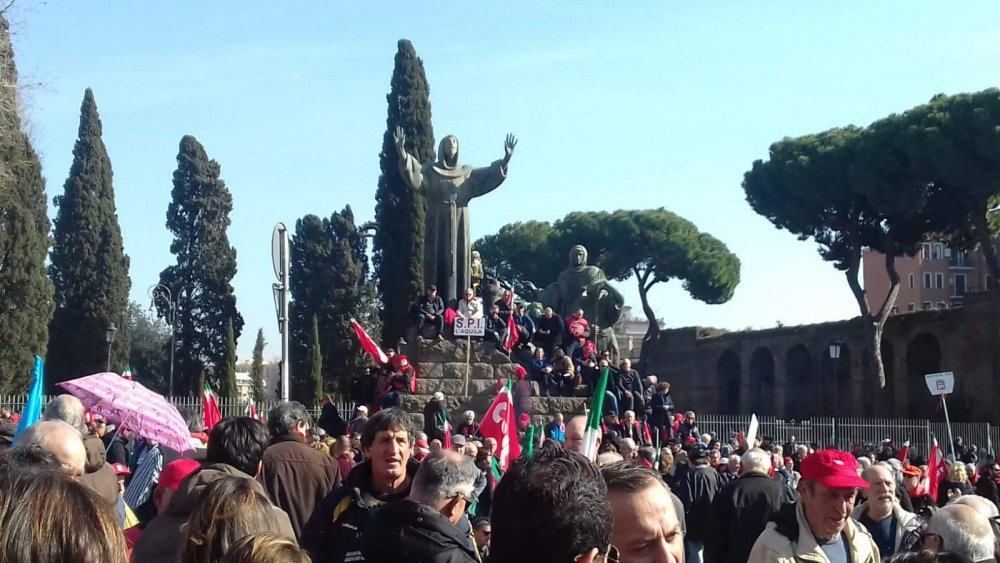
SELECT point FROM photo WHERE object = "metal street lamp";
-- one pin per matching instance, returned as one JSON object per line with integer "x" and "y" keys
{"x": 166, "y": 297}
{"x": 835, "y": 350}
{"x": 109, "y": 335}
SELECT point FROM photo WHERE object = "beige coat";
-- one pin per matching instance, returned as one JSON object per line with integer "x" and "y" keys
{"x": 773, "y": 547}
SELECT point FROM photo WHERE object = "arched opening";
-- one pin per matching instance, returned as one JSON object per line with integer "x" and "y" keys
{"x": 729, "y": 382}
{"x": 923, "y": 356}
{"x": 762, "y": 381}
{"x": 799, "y": 393}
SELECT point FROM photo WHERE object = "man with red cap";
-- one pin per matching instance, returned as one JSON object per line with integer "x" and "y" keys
{"x": 819, "y": 527}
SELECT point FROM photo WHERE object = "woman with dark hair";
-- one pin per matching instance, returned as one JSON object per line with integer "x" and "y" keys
{"x": 47, "y": 517}
{"x": 231, "y": 508}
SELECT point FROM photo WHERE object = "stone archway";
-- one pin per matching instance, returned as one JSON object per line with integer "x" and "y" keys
{"x": 762, "y": 381}
{"x": 730, "y": 379}
{"x": 923, "y": 356}
{"x": 800, "y": 396}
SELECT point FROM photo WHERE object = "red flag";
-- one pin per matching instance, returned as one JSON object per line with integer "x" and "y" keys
{"x": 250, "y": 409}
{"x": 369, "y": 345}
{"x": 937, "y": 471}
{"x": 211, "y": 407}
{"x": 500, "y": 423}
{"x": 904, "y": 452}
{"x": 511, "y": 339}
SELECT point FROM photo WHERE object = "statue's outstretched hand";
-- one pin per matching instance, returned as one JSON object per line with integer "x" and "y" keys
{"x": 508, "y": 147}
{"x": 399, "y": 136}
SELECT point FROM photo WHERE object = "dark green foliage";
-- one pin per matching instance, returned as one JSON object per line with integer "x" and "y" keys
{"x": 198, "y": 217}
{"x": 653, "y": 245}
{"x": 850, "y": 189}
{"x": 399, "y": 211}
{"x": 257, "y": 368}
{"x": 150, "y": 346}
{"x": 316, "y": 365}
{"x": 89, "y": 268}
{"x": 523, "y": 252}
{"x": 228, "y": 387}
{"x": 26, "y": 303}
{"x": 331, "y": 283}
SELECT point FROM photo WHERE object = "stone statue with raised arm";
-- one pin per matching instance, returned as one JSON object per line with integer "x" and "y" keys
{"x": 448, "y": 187}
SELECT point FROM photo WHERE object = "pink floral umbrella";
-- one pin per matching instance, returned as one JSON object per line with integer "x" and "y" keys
{"x": 131, "y": 405}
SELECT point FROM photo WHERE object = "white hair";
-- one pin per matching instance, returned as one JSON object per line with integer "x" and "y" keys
{"x": 438, "y": 396}
{"x": 626, "y": 413}
{"x": 470, "y": 414}
{"x": 66, "y": 408}
{"x": 734, "y": 459}
{"x": 607, "y": 458}
{"x": 443, "y": 475}
{"x": 756, "y": 461}
{"x": 963, "y": 531}
{"x": 628, "y": 444}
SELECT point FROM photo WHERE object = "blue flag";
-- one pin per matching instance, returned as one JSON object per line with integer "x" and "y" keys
{"x": 33, "y": 408}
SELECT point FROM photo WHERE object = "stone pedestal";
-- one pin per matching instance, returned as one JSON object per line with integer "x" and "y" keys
{"x": 442, "y": 365}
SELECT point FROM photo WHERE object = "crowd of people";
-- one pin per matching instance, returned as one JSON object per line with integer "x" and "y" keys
{"x": 375, "y": 488}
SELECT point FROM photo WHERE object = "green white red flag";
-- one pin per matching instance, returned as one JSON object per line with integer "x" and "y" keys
{"x": 127, "y": 374}
{"x": 593, "y": 432}
{"x": 211, "y": 407}
{"x": 500, "y": 423}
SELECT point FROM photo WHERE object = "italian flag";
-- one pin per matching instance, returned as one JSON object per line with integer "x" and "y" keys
{"x": 937, "y": 469}
{"x": 127, "y": 374}
{"x": 500, "y": 423}
{"x": 211, "y": 407}
{"x": 593, "y": 432}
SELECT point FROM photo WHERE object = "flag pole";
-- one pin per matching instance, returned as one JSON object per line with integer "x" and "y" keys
{"x": 947, "y": 422}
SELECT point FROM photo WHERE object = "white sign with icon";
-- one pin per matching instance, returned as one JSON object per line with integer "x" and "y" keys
{"x": 470, "y": 327}
{"x": 940, "y": 383}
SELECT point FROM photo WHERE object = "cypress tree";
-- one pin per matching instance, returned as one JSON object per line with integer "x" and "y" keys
{"x": 399, "y": 211}
{"x": 330, "y": 282}
{"x": 26, "y": 307}
{"x": 257, "y": 367}
{"x": 316, "y": 359}
{"x": 228, "y": 388}
{"x": 89, "y": 268}
{"x": 198, "y": 217}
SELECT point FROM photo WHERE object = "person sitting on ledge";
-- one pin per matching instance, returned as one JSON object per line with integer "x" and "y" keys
{"x": 525, "y": 325}
{"x": 470, "y": 306}
{"x": 496, "y": 327}
{"x": 506, "y": 305}
{"x": 550, "y": 330}
{"x": 399, "y": 382}
{"x": 565, "y": 372}
{"x": 430, "y": 309}
{"x": 585, "y": 360}
{"x": 578, "y": 330}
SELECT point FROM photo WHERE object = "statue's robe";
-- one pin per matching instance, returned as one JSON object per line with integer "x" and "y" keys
{"x": 447, "y": 191}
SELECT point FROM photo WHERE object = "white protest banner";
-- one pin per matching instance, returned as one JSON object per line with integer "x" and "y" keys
{"x": 470, "y": 327}
{"x": 752, "y": 431}
{"x": 940, "y": 383}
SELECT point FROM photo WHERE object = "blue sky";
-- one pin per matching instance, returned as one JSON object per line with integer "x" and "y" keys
{"x": 645, "y": 105}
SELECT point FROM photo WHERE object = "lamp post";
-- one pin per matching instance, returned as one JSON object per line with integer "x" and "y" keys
{"x": 109, "y": 335}
{"x": 166, "y": 297}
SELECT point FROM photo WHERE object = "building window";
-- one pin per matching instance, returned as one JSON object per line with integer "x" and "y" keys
{"x": 925, "y": 251}
{"x": 938, "y": 251}
{"x": 960, "y": 285}
{"x": 939, "y": 281}
{"x": 927, "y": 280}
{"x": 894, "y": 311}
{"x": 927, "y": 306}
{"x": 910, "y": 308}
{"x": 911, "y": 281}
{"x": 942, "y": 305}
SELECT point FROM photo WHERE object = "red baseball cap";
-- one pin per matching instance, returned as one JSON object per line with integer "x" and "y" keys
{"x": 834, "y": 469}
{"x": 120, "y": 469}
{"x": 175, "y": 472}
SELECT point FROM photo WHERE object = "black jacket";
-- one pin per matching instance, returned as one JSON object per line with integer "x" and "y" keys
{"x": 739, "y": 514}
{"x": 410, "y": 532}
{"x": 117, "y": 451}
{"x": 430, "y": 306}
{"x": 551, "y": 327}
{"x": 697, "y": 493}
{"x": 662, "y": 410}
{"x": 335, "y": 530}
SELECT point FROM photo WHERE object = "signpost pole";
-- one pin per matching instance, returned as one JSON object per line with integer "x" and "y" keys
{"x": 947, "y": 422}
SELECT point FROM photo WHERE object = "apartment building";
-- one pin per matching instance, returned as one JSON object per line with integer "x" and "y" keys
{"x": 937, "y": 277}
